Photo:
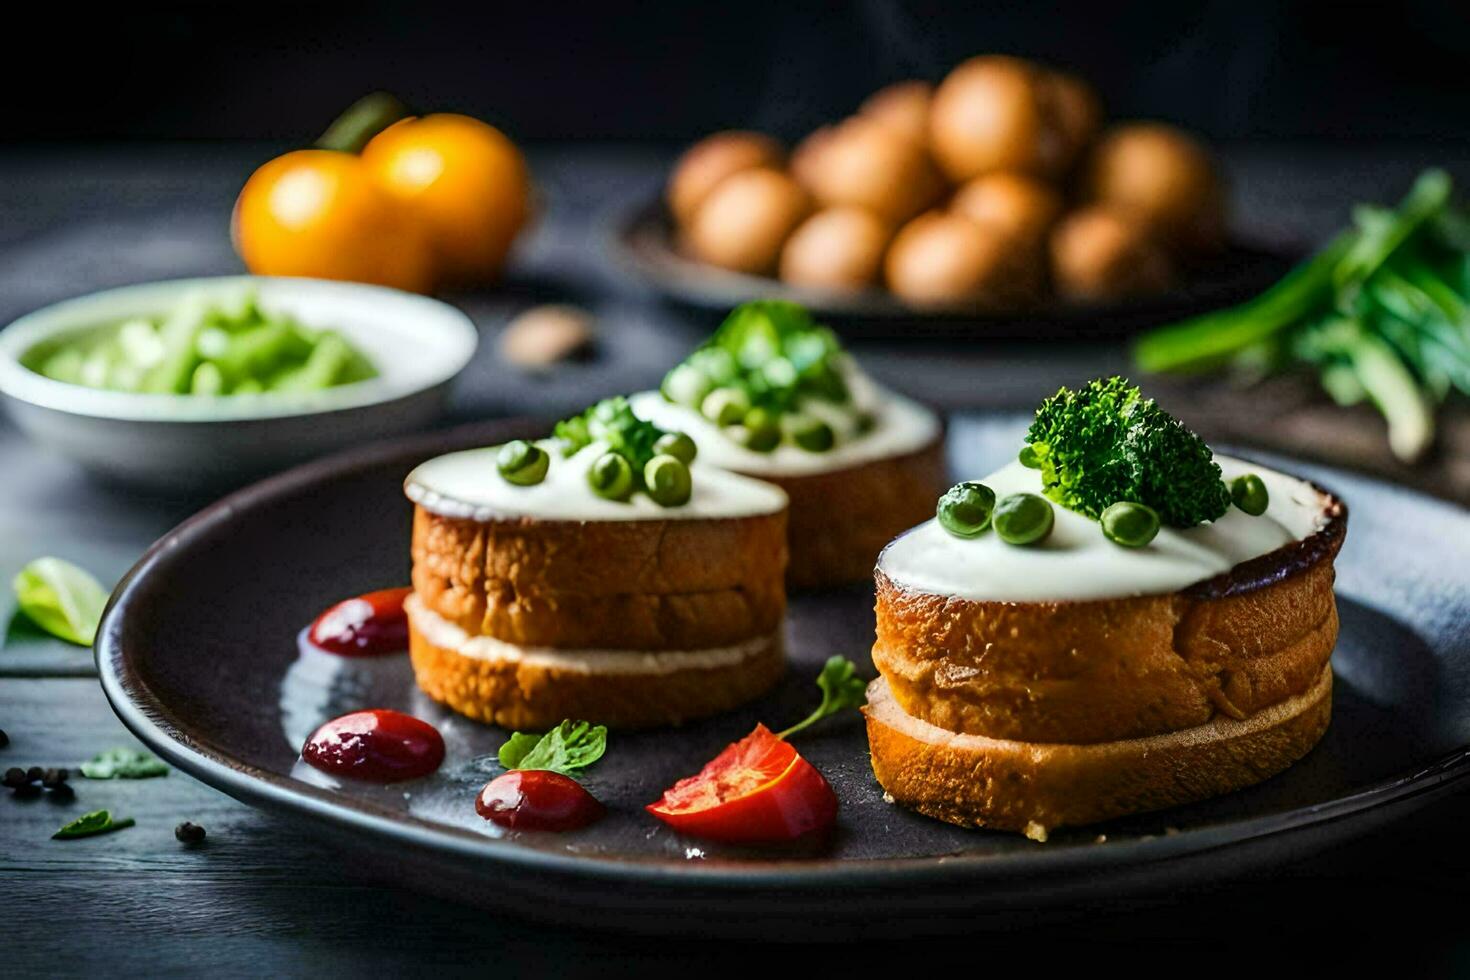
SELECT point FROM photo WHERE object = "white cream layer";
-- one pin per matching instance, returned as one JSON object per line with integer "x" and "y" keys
{"x": 1077, "y": 562}
{"x": 901, "y": 426}
{"x": 442, "y": 633}
{"x": 466, "y": 485}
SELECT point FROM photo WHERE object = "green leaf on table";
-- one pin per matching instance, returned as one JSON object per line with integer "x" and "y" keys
{"x": 88, "y": 824}
{"x": 568, "y": 748}
{"x": 62, "y": 599}
{"x": 123, "y": 764}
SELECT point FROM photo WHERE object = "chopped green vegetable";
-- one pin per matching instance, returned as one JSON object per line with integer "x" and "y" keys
{"x": 220, "y": 345}
{"x": 1382, "y": 313}
{"x": 62, "y": 599}
{"x": 123, "y": 764}
{"x": 632, "y": 444}
{"x": 841, "y": 689}
{"x": 1106, "y": 442}
{"x": 768, "y": 357}
{"x": 568, "y": 748}
{"x": 89, "y": 824}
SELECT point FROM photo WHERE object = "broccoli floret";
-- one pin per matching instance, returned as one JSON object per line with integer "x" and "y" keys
{"x": 1107, "y": 443}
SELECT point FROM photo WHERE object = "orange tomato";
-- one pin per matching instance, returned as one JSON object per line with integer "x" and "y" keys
{"x": 465, "y": 181}
{"x": 320, "y": 213}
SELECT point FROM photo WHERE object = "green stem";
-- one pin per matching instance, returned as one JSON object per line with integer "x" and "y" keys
{"x": 364, "y": 119}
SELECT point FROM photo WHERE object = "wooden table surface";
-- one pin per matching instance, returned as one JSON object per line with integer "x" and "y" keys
{"x": 260, "y": 899}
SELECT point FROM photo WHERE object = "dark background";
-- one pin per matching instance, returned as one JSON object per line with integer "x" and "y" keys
{"x": 673, "y": 69}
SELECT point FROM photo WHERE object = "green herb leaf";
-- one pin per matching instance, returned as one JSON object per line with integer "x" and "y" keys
{"x": 568, "y": 748}
{"x": 62, "y": 599}
{"x": 841, "y": 688}
{"x": 123, "y": 764}
{"x": 88, "y": 824}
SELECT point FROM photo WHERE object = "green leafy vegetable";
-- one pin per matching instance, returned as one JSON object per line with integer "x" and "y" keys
{"x": 89, "y": 824}
{"x": 1382, "y": 313}
{"x": 123, "y": 764}
{"x": 774, "y": 352}
{"x": 568, "y": 748}
{"x": 1106, "y": 443}
{"x": 62, "y": 599}
{"x": 841, "y": 689}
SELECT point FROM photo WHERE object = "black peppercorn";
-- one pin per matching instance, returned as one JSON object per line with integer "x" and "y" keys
{"x": 4, "y": 739}
{"x": 53, "y": 778}
{"x": 34, "y": 774}
{"x": 27, "y": 791}
{"x": 189, "y": 833}
{"x": 63, "y": 793}
{"x": 15, "y": 777}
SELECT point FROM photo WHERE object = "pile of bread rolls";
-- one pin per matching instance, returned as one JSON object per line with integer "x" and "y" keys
{"x": 996, "y": 188}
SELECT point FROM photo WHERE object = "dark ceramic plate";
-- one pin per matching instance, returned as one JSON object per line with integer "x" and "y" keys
{"x": 198, "y": 654}
{"x": 644, "y": 242}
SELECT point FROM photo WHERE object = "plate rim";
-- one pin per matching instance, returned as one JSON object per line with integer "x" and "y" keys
{"x": 149, "y": 718}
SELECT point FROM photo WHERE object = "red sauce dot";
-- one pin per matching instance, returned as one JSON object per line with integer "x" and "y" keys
{"x": 378, "y": 744}
{"x": 368, "y": 625}
{"x": 535, "y": 799}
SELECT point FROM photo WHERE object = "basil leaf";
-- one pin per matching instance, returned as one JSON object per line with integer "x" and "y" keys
{"x": 516, "y": 748}
{"x": 62, "y": 599}
{"x": 568, "y": 748}
{"x": 123, "y": 764}
{"x": 96, "y": 822}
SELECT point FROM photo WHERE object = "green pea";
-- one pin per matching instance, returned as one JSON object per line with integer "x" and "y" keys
{"x": 725, "y": 406}
{"x": 864, "y": 422}
{"x": 1129, "y": 524}
{"x": 1249, "y": 494}
{"x": 1023, "y": 518}
{"x": 811, "y": 434}
{"x": 687, "y": 385}
{"x": 717, "y": 363}
{"x": 522, "y": 463}
{"x": 1028, "y": 458}
{"x": 611, "y": 476}
{"x": 668, "y": 481}
{"x": 965, "y": 509}
{"x": 760, "y": 431}
{"x": 779, "y": 373}
{"x": 677, "y": 445}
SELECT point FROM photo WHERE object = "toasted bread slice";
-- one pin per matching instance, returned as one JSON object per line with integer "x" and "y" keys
{"x": 629, "y": 585}
{"x": 535, "y": 688}
{"x": 1035, "y": 787}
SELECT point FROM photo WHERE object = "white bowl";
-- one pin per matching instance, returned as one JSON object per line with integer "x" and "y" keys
{"x": 418, "y": 345}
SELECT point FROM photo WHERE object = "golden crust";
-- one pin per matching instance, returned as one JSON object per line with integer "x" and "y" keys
{"x": 534, "y": 696}
{"x": 1099, "y": 671}
{"x": 636, "y": 585}
{"x": 840, "y": 520}
{"x": 1034, "y": 787}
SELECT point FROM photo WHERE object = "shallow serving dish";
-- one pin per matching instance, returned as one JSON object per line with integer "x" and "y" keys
{"x": 643, "y": 241}
{"x": 418, "y": 345}
{"x": 204, "y": 667}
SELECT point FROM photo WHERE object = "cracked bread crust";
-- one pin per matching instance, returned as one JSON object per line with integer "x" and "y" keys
{"x": 635, "y": 585}
{"x": 840, "y": 520}
{"x": 1029, "y": 787}
{"x": 536, "y": 696}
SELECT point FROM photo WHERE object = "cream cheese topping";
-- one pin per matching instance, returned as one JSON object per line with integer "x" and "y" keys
{"x": 442, "y": 633}
{"x": 901, "y": 426}
{"x": 1077, "y": 562}
{"x": 467, "y": 485}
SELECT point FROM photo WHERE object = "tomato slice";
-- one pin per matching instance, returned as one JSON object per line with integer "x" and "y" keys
{"x": 758, "y": 790}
